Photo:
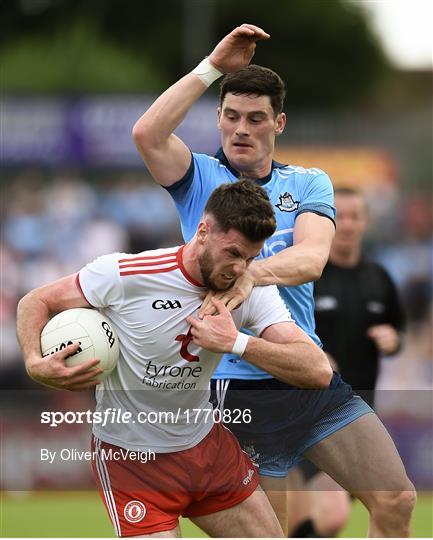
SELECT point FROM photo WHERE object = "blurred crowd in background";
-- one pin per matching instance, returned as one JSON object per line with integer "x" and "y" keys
{"x": 54, "y": 224}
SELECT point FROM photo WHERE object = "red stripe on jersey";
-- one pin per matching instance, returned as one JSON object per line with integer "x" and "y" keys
{"x": 183, "y": 269}
{"x": 156, "y": 263}
{"x": 149, "y": 258}
{"x": 155, "y": 271}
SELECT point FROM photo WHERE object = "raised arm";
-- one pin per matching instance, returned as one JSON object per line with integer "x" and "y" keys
{"x": 297, "y": 264}
{"x": 164, "y": 154}
{"x": 34, "y": 311}
{"x": 284, "y": 350}
{"x": 302, "y": 262}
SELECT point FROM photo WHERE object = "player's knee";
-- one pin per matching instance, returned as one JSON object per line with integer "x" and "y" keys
{"x": 406, "y": 501}
{"x": 399, "y": 504}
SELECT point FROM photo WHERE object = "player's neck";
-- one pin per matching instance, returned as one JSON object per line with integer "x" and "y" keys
{"x": 259, "y": 172}
{"x": 346, "y": 258}
{"x": 190, "y": 260}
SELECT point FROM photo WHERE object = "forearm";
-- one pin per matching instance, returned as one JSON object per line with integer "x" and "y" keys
{"x": 292, "y": 266}
{"x": 34, "y": 311}
{"x": 32, "y": 316}
{"x": 302, "y": 262}
{"x": 168, "y": 111}
{"x": 299, "y": 363}
{"x": 38, "y": 306}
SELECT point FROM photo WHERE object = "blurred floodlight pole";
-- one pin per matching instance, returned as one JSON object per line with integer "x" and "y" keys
{"x": 198, "y": 31}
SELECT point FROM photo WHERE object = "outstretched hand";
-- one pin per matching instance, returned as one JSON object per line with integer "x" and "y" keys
{"x": 215, "y": 333}
{"x": 232, "y": 298}
{"x": 236, "y": 50}
{"x": 52, "y": 371}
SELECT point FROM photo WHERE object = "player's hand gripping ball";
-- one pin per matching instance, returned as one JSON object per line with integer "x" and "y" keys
{"x": 92, "y": 330}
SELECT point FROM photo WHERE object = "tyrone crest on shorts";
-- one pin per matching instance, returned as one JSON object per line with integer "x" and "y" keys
{"x": 134, "y": 511}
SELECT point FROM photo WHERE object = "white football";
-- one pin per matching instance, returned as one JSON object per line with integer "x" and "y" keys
{"x": 93, "y": 331}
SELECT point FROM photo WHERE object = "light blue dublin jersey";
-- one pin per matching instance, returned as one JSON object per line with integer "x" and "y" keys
{"x": 292, "y": 190}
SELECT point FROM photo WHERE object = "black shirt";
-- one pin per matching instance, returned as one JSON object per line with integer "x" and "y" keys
{"x": 347, "y": 302}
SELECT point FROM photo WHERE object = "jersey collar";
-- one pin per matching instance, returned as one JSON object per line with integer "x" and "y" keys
{"x": 179, "y": 259}
{"x": 223, "y": 159}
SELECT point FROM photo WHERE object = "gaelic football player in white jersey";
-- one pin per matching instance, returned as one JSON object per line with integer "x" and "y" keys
{"x": 167, "y": 358}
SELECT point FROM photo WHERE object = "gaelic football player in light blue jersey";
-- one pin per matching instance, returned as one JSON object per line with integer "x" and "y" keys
{"x": 333, "y": 428}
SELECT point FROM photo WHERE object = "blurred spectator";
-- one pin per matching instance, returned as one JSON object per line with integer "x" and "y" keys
{"x": 53, "y": 226}
{"x": 411, "y": 255}
{"x": 25, "y": 228}
{"x": 142, "y": 208}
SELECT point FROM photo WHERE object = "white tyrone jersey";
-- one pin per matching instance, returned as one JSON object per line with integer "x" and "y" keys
{"x": 147, "y": 297}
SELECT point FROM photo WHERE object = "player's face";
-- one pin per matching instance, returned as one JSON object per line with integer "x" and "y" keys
{"x": 225, "y": 257}
{"x": 351, "y": 221}
{"x": 248, "y": 130}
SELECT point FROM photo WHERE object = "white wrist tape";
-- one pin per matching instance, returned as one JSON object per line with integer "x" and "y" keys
{"x": 206, "y": 72}
{"x": 240, "y": 344}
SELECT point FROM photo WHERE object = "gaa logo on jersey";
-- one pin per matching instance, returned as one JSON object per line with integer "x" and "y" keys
{"x": 134, "y": 511}
{"x": 166, "y": 304}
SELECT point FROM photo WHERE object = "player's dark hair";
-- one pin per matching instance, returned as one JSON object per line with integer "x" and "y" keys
{"x": 257, "y": 81}
{"x": 245, "y": 207}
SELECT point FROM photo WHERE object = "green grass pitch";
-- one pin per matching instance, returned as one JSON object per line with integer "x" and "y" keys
{"x": 82, "y": 514}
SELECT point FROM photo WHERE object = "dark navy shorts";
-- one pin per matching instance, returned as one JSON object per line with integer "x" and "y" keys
{"x": 282, "y": 421}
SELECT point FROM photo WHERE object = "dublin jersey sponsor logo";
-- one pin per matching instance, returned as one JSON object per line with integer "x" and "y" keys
{"x": 166, "y": 304}
{"x": 176, "y": 376}
{"x": 287, "y": 204}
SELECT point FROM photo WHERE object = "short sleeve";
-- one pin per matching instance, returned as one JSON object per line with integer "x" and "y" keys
{"x": 100, "y": 282}
{"x": 317, "y": 194}
{"x": 263, "y": 308}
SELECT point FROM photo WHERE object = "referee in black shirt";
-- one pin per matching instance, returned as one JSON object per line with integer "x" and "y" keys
{"x": 359, "y": 318}
{"x": 358, "y": 313}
